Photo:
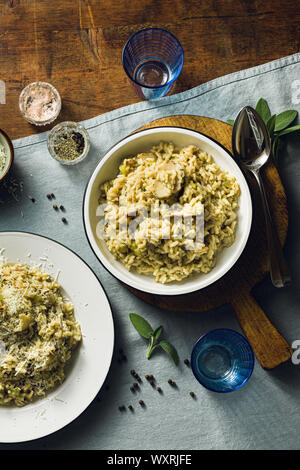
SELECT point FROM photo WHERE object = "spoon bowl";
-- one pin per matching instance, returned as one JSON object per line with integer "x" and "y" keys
{"x": 250, "y": 139}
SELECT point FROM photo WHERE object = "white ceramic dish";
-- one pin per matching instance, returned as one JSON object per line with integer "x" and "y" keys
{"x": 107, "y": 168}
{"x": 9, "y": 150}
{"x": 88, "y": 367}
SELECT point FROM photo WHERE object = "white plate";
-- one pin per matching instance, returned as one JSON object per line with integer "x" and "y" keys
{"x": 107, "y": 168}
{"x": 90, "y": 361}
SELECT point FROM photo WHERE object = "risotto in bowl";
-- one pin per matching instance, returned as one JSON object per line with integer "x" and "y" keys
{"x": 167, "y": 211}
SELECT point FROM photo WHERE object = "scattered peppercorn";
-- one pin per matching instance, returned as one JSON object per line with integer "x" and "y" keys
{"x": 136, "y": 385}
{"x": 192, "y": 394}
{"x": 62, "y": 208}
{"x": 152, "y": 383}
{"x": 52, "y": 195}
{"x": 130, "y": 407}
{"x": 132, "y": 389}
{"x": 172, "y": 383}
{"x": 55, "y": 207}
{"x": 187, "y": 362}
{"x": 122, "y": 408}
{"x": 134, "y": 374}
{"x": 32, "y": 199}
{"x": 141, "y": 403}
{"x": 64, "y": 220}
{"x": 150, "y": 378}
{"x": 49, "y": 196}
{"x": 159, "y": 390}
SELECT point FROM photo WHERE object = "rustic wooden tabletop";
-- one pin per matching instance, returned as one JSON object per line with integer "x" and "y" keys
{"x": 76, "y": 45}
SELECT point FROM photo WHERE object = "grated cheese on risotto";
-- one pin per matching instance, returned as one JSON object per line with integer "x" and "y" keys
{"x": 168, "y": 176}
{"x": 38, "y": 332}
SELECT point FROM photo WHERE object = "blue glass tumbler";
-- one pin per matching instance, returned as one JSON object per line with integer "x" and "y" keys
{"x": 222, "y": 360}
{"x": 153, "y": 59}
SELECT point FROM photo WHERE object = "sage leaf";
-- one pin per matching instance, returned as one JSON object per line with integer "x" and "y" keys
{"x": 157, "y": 333}
{"x": 230, "y": 121}
{"x": 141, "y": 325}
{"x": 263, "y": 110}
{"x": 274, "y": 149}
{"x": 289, "y": 130}
{"x": 271, "y": 124}
{"x": 284, "y": 119}
{"x": 170, "y": 350}
{"x": 151, "y": 347}
{"x": 145, "y": 330}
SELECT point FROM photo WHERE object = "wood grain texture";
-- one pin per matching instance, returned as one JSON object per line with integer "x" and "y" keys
{"x": 77, "y": 46}
{"x": 235, "y": 287}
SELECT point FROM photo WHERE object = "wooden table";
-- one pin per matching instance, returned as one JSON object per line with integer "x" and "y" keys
{"x": 77, "y": 44}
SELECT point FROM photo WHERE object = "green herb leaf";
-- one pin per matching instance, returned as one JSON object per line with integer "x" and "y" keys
{"x": 274, "y": 149}
{"x": 289, "y": 130}
{"x": 263, "y": 110}
{"x": 284, "y": 119}
{"x": 230, "y": 121}
{"x": 157, "y": 333}
{"x": 271, "y": 124}
{"x": 145, "y": 330}
{"x": 170, "y": 350}
{"x": 151, "y": 347}
{"x": 141, "y": 325}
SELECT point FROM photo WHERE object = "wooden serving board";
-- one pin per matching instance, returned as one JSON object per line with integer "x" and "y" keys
{"x": 270, "y": 348}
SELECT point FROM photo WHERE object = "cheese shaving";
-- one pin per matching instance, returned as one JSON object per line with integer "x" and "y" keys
{"x": 38, "y": 330}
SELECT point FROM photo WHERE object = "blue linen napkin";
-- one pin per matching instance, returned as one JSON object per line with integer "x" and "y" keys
{"x": 263, "y": 414}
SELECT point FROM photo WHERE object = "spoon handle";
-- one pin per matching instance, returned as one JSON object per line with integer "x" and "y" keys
{"x": 279, "y": 271}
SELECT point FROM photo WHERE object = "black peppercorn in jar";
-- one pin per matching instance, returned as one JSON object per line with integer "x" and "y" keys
{"x": 68, "y": 143}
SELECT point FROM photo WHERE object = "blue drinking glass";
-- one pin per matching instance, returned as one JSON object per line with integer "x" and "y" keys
{"x": 152, "y": 59}
{"x": 222, "y": 360}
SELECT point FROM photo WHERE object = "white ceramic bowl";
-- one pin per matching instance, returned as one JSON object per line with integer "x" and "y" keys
{"x": 9, "y": 150}
{"x": 107, "y": 168}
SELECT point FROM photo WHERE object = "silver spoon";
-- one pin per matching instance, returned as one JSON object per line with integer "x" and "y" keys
{"x": 251, "y": 146}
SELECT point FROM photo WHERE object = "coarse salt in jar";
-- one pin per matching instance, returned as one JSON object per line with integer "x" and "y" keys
{"x": 40, "y": 103}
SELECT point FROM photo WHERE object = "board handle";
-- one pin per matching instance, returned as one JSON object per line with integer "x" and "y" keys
{"x": 270, "y": 348}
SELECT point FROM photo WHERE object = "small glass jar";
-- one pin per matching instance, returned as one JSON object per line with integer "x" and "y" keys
{"x": 68, "y": 130}
{"x": 40, "y": 103}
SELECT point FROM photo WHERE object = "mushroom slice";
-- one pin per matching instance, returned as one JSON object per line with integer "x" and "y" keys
{"x": 161, "y": 191}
